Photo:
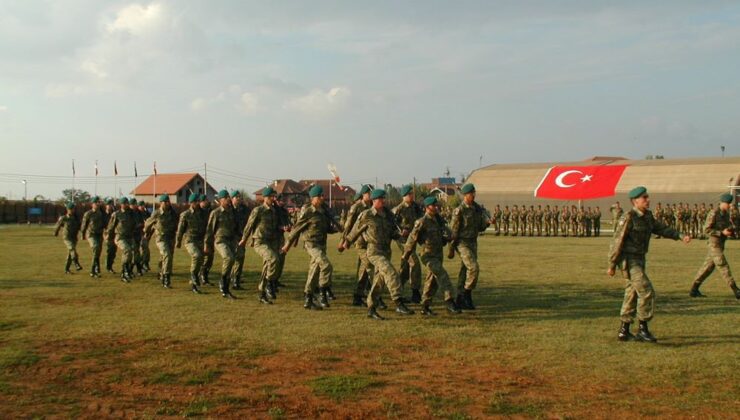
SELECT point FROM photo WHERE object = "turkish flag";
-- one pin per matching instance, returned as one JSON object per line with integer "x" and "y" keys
{"x": 579, "y": 182}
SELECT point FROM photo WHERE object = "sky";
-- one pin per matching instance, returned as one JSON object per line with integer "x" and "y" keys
{"x": 386, "y": 90}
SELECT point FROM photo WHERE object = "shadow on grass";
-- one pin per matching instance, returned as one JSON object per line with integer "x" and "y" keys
{"x": 680, "y": 341}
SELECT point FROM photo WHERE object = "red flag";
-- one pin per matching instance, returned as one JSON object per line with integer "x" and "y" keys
{"x": 579, "y": 182}
{"x": 115, "y": 168}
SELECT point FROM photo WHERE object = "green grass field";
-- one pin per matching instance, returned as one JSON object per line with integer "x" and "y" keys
{"x": 541, "y": 344}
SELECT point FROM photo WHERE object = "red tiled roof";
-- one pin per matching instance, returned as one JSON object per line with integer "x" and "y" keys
{"x": 336, "y": 191}
{"x": 165, "y": 183}
{"x": 284, "y": 186}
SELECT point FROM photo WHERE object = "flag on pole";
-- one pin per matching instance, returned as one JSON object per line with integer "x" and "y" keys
{"x": 115, "y": 168}
{"x": 96, "y": 168}
{"x": 155, "y": 167}
{"x": 136, "y": 173}
{"x": 580, "y": 182}
{"x": 73, "y": 168}
{"x": 335, "y": 176}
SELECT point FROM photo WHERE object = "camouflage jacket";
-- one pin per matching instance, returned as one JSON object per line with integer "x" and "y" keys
{"x": 632, "y": 235}
{"x": 352, "y": 216}
{"x": 164, "y": 222}
{"x": 69, "y": 225}
{"x": 378, "y": 229}
{"x": 717, "y": 221}
{"x": 468, "y": 222}
{"x": 222, "y": 226}
{"x": 93, "y": 222}
{"x": 241, "y": 215}
{"x": 121, "y": 225}
{"x": 263, "y": 224}
{"x": 205, "y": 216}
{"x": 313, "y": 225}
{"x": 432, "y": 233}
{"x": 140, "y": 218}
{"x": 406, "y": 214}
{"x": 192, "y": 226}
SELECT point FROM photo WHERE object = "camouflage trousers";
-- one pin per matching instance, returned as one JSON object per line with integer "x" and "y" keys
{"x": 597, "y": 227}
{"x": 136, "y": 249}
{"x": 268, "y": 250}
{"x": 281, "y": 257}
{"x": 195, "y": 250}
{"x": 208, "y": 259}
{"x": 715, "y": 259}
{"x": 144, "y": 253}
{"x": 564, "y": 228}
{"x": 514, "y": 227}
{"x": 227, "y": 252}
{"x": 547, "y": 227}
{"x": 410, "y": 269}
{"x": 555, "y": 228}
{"x": 110, "y": 254}
{"x": 639, "y": 295}
{"x": 166, "y": 253}
{"x": 497, "y": 227}
{"x": 437, "y": 278}
{"x": 239, "y": 255}
{"x": 96, "y": 246}
{"x": 523, "y": 227}
{"x": 506, "y": 227}
{"x": 365, "y": 272}
{"x": 126, "y": 245}
{"x": 385, "y": 276}
{"x": 71, "y": 245}
{"x": 469, "y": 269}
{"x": 320, "y": 270}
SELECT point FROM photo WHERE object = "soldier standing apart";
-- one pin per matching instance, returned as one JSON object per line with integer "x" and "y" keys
{"x": 597, "y": 221}
{"x": 222, "y": 233}
{"x": 93, "y": 225}
{"x": 69, "y": 224}
{"x": 313, "y": 226}
{"x": 193, "y": 228}
{"x": 432, "y": 233}
{"x": 110, "y": 245}
{"x": 406, "y": 214}
{"x": 377, "y": 226}
{"x": 241, "y": 215}
{"x": 719, "y": 227}
{"x": 263, "y": 227}
{"x": 364, "y": 267}
{"x": 617, "y": 212}
{"x": 121, "y": 231}
{"x": 468, "y": 220}
{"x": 205, "y": 208}
{"x": 628, "y": 250}
{"x": 164, "y": 220}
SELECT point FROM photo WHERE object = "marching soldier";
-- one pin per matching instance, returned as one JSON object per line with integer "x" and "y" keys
{"x": 121, "y": 231}
{"x": 192, "y": 227}
{"x": 241, "y": 215}
{"x": 377, "y": 226}
{"x": 364, "y": 267}
{"x": 405, "y": 215}
{"x": 719, "y": 227}
{"x": 313, "y": 226}
{"x": 222, "y": 233}
{"x": 285, "y": 224}
{"x": 263, "y": 227}
{"x": 432, "y": 233}
{"x": 144, "y": 253}
{"x": 93, "y": 225}
{"x": 617, "y": 212}
{"x": 468, "y": 220}
{"x": 69, "y": 224}
{"x": 628, "y": 250}
{"x": 206, "y": 208}
{"x": 164, "y": 220}
{"x": 110, "y": 245}
{"x": 139, "y": 236}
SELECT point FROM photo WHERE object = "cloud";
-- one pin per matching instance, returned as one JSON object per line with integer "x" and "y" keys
{"x": 137, "y": 19}
{"x": 249, "y": 103}
{"x": 3, "y": 108}
{"x": 320, "y": 103}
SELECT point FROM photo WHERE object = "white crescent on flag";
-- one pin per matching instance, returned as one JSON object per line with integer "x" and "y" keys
{"x": 559, "y": 180}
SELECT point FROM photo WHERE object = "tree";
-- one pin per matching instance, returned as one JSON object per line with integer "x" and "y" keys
{"x": 75, "y": 195}
{"x": 421, "y": 192}
{"x": 393, "y": 196}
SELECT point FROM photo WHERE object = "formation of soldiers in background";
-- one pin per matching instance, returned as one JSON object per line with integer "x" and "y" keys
{"x": 567, "y": 221}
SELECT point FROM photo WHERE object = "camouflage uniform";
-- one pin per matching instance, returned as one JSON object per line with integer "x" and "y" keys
{"x": 263, "y": 227}
{"x": 285, "y": 224}
{"x": 93, "y": 226}
{"x": 364, "y": 266}
{"x": 555, "y": 218}
{"x": 164, "y": 221}
{"x": 515, "y": 221}
{"x": 717, "y": 221}
{"x": 596, "y": 217}
{"x": 144, "y": 253}
{"x": 497, "y": 217}
{"x": 241, "y": 215}
{"x": 523, "y": 218}
{"x": 505, "y": 218}
{"x": 467, "y": 222}
{"x": 531, "y": 221}
{"x": 313, "y": 226}
{"x": 547, "y": 220}
{"x": 138, "y": 238}
{"x": 406, "y": 215}
{"x": 192, "y": 227}
{"x": 222, "y": 232}
{"x": 70, "y": 227}
{"x": 208, "y": 257}
{"x": 617, "y": 213}
{"x": 121, "y": 230}
{"x": 431, "y": 232}
{"x": 564, "y": 221}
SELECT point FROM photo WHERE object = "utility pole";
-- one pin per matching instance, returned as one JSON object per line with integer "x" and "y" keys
{"x": 25, "y": 190}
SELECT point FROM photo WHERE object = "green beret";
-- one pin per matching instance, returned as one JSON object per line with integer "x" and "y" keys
{"x": 164, "y": 197}
{"x": 637, "y": 192}
{"x": 123, "y": 200}
{"x": 430, "y": 201}
{"x": 223, "y": 194}
{"x": 406, "y": 190}
{"x": 377, "y": 193}
{"x": 268, "y": 191}
{"x": 315, "y": 191}
{"x": 365, "y": 189}
{"x": 69, "y": 205}
{"x": 725, "y": 198}
{"x": 193, "y": 198}
{"x": 467, "y": 189}
{"x": 203, "y": 197}
{"x": 235, "y": 193}
{"x": 95, "y": 199}
{"x": 109, "y": 201}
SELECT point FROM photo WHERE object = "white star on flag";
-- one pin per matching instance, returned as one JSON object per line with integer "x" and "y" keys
{"x": 586, "y": 178}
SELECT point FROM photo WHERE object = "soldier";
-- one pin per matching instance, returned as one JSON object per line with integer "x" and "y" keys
{"x": 531, "y": 221}
{"x": 576, "y": 219}
{"x": 596, "y": 216}
{"x": 263, "y": 227}
{"x": 628, "y": 250}
{"x": 617, "y": 212}
{"x": 547, "y": 220}
{"x": 405, "y": 215}
{"x": 505, "y": 218}
{"x": 144, "y": 253}
{"x": 192, "y": 226}
{"x": 564, "y": 221}
{"x": 555, "y": 218}
{"x": 241, "y": 215}
{"x": 695, "y": 221}
{"x": 735, "y": 219}
{"x": 313, "y": 226}
{"x": 433, "y": 234}
{"x": 93, "y": 225}
{"x": 121, "y": 230}
{"x": 364, "y": 267}
{"x": 515, "y": 220}
{"x": 206, "y": 208}
{"x": 222, "y": 233}
{"x": 719, "y": 227}
{"x": 587, "y": 221}
{"x": 702, "y": 216}
{"x": 497, "y": 217}
{"x": 69, "y": 224}
{"x": 539, "y": 216}
{"x": 523, "y": 218}
{"x": 285, "y": 224}
{"x": 378, "y": 227}
{"x": 140, "y": 220}
{"x": 164, "y": 220}
{"x": 110, "y": 245}
{"x": 467, "y": 221}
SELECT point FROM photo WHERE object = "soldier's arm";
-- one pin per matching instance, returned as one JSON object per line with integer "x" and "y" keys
{"x": 251, "y": 225}
{"x": 350, "y": 223}
{"x": 300, "y": 226}
{"x": 211, "y": 227}
{"x": 455, "y": 222}
{"x": 709, "y": 225}
{"x": 620, "y": 232}
{"x": 661, "y": 229}
{"x": 182, "y": 226}
{"x": 58, "y": 226}
{"x": 360, "y": 227}
{"x": 111, "y": 231}
{"x": 85, "y": 223}
{"x": 413, "y": 238}
{"x": 149, "y": 224}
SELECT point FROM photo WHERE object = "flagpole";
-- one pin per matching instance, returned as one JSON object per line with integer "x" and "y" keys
{"x": 115, "y": 180}
{"x": 96, "y": 177}
{"x": 330, "y": 180}
{"x": 74, "y": 174}
{"x": 205, "y": 171}
{"x": 154, "y": 191}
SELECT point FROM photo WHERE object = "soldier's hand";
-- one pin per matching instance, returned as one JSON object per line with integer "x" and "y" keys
{"x": 405, "y": 233}
{"x": 242, "y": 243}
{"x": 686, "y": 239}
{"x": 610, "y": 272}
{"x": 405, "y": 256}
{"x": 284, "y": 249}
{"x": 727, "y": 232}
{"x": 340, "y": 247}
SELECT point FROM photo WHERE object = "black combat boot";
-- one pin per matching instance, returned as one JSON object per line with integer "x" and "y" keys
{"x": 469, "y": 300}
{"x": 357, "y": 300}
{"x": 452, "y": 307}
{"x": 204, "y": 278}
{"x": 323, "y": 297}
{"x": 76, "y": 262}
{"x": 224, "y": 287}
{"x": 330, "y": 294}
{"x": 460, "y": 301}
{"x": 380, "y": 304}
{"x": 644, "y": 334}
{"x": 139, "y": 270}
{"x": 402, "y": 309}
{"x": 194, "y": 283}
{"x": 695, "y": 293}
{"x": 67, "y": 265}
{"x": 624, "y": 332}
{"x": 736, "y": 291}
{"x": 236, "y": 283}
{"x": 309, "y": 303}
{"x": 271, "y": 290}
{"x": 264, "y": 298}
{"x": 415, "y": 296}
{"x": 124, "y": 274}
{"x": 426, "y": 310}
{"x": 166, "y": 281}
{"x": 373, "y": 313}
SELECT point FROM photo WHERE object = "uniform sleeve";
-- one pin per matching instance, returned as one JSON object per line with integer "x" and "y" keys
{"x": 211, "y": 227}
{"x": 150, "y": 223}
{"x": 58, "y": 225}
{"x": 249, "y": 228}
{"x": 620, "y": 232}
{"x": 456, "y": 223}
{"x": 301, "y": 225}
{"x": 350, "y": 222}
{"x": 359, "y": 227}
{"x": 661, "y": 229}
{"x": 182, "y": 226}
{"x": 413, "y": 238}
{"x": 710, "y": 224}
{"x": 85, "y": 221}
{"x": 112, "y": 222}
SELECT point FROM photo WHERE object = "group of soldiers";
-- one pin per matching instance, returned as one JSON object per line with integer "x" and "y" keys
{"x": 690, "y": 219}
{"x": 567, "y": 221}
